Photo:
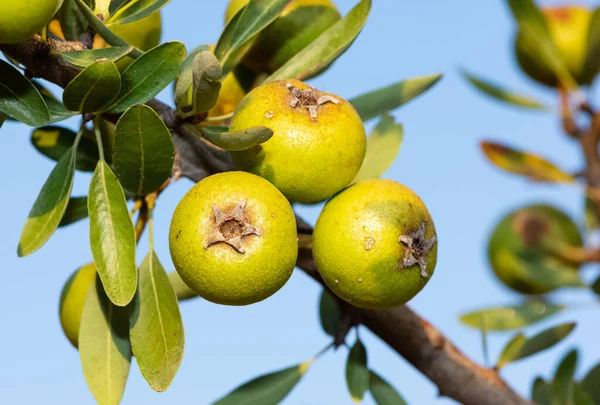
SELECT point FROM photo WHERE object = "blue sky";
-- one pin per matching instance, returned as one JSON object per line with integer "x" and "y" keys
{"x": 440, "y": 160}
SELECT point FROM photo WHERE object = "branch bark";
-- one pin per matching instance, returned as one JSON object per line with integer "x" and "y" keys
{"x": 420, "y": 343}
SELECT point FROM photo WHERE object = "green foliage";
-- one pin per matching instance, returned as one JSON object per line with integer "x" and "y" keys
{"x": 20, "y": 99}
{"x": 53, "y": 142}
{"x": 541, "y": 392}
{"x": 94, "y": 88}
{"x": 357, "y": 373}
{"x": 513, "y": 317}
{"x": 76, "y": 211}
{"x": 185, "y": 79}
{"x": 383, "y": 393}
{"x": 591, "y": 383}
{"x": 206, "y": 78}
{"x": 330, "y": 313}
{"x": 238, "y": 140}
{"x": 562, "y": 384}
{"x": 91, "y": 56}
{"x": 136, "y": 10}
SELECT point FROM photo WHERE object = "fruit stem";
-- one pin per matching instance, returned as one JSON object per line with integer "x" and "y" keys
{"x": 98, "y": 138}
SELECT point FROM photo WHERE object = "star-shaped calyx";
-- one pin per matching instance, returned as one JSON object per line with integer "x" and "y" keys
{"x": 417, "y": 247}
{"x": 231, "y": 228}
{"x": 309, "y": 98}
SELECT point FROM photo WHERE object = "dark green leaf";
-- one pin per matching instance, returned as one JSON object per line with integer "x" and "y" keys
{"x": 500, "y": 94}
{"x": 20, "y": 99}
{"x": 357, "y": 373}
{"x": 104, "y": 346}
{"x": 149, "y": 74}
{"x": 186, "y": 78}
{"x": 541, "y": 392}
{"x": 329, "y": 46}
{"x": 156, "y": 327}
{"x": 2, "y": 119}
{"x": 72, "y": 22}
{"x": 591, "y": 383}
{"x": 50, "y": 205}
{"x": 112, "y": 236}
{"x": 380, "y": 101}
{"x": 330, "y": 314}
{"x": 54, "y": 142}
{"x": 90, "y": 56}
{"x": 256, "y": 16}
{"x": 207, "y": 74}
{"x": 136, "y": 10}
{"x": 592, "y": 62}
{"x": 596, "y": 286}
{"x": 383, "y": 146}
{"x": 182, "y": 291}
{"x": 562, "y": 385}
{"x": 116, "y": 5}
{"x": 514, "y": 317}
{"x": 236, "y": 141}
{"x": 383, "y": 393}
{"x": 511, "y": 350}
{"x": 143, "y": 150}
{"x": 534, "y": 30}
{"x": 76, "y": 211}
{"x": 94, "y": 88}
{"x": 58, "y": 112}
{"x": 580, "y": 397}
{"x": 268, "y": 389}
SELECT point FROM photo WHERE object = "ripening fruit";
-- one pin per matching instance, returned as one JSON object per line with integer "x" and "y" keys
{"x": 72, "y": 299}
{"x": 519, "y": 249}
{"x": 318, "y": 144}
{"x": 300, "y": 23}
{"x": 20, "y": 19}
{"x": 375, "y": 244}
{"x": 569, "y": 28}
{"x": 233, "y": 239}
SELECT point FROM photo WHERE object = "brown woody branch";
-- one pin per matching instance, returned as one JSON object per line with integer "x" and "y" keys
{"x": 420, "y": 343}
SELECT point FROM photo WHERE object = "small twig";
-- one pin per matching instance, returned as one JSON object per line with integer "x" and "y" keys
{"x": 305, "y": 241}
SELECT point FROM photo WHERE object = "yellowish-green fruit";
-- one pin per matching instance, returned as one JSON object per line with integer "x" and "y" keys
{"x": 300, "y": 23}
{"x": 520, "y": 249}
{"x": 318, "y": 144}
{"x": 72, "y": 299}
{"x": 569, "y": 28}
{"x": 233, "y": 239}
{"x": 20, "y": 19}
{"x": 375, "y": 244}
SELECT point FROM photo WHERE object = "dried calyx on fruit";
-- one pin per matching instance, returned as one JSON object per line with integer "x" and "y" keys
{"x": 417, "y": 248}
{"x": 310, "y": 99}
{"x": 231, "y": 228}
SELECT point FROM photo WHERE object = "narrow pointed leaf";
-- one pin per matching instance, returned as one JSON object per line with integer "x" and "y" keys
{"x": 143, "y": 150}
{"x": 357, "y": 372}
{"x": 104, "y": 346}
{"x": 116, "y": 5}
{"x": 72, "y": 21}
{"x": 524, "y": 163}
{"x": 329, "y": 46}
{"x": 182, "y": 291}
{"x": 239, "y": 140}
{"x": 383, "y": 146}
{"x": 156, "y": 327}
{"x": 58, "y": 112}
{"x": 330, "y": 314}
{"x": 511, "y": 350}
{"x": 94, "y": 88}
{"x": 383, "y": 393}
{"x": 185, "y": 78}
{"x": 3, "y": 118}
{"x": 256, "y": 16}
{"x": 112, "y": 236}
{"x": 207, "y": 73}
{"x": 76, "y": 211}
{"x": 20, "y": 99}
{"x": 541, "y": 392}
{"x": 53, "y": 142}
{"x": 592, "y": 62}
{"x": 498, "y": 93}
{"x": 580, "y": 397}
{"x": 50, "y": 205}
{"x": 514, "y": 317}
{"x": 596, "y": 286}
{"x": 563, "y": 385}
{"x": 149, "y": 74}
{"x": 90, "y": 56}
{"x": 380, "y": 101}
{"x": 136, "y": 10}
{"x": 591, "y": 383}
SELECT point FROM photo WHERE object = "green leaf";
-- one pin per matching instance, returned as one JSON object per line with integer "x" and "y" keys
{"x": 116, "y": 5}
{"x": 255, "y": 17}
{"x": 592, "y": 62}
{"x": 182, "y": 291}
{"x": 591, "y": 218}
{"x": 207, "y": 73}
{"x": 58, "y": 111}
{"x": 186, "y": 78}
{"x": 534, "y": 29}
{"x": 136, "y": 10}
{"x": 236, "y": 141}
{"x": 357, "y": 373}
{"x": 53, "y": 142}
{"x": 591, "y": 383}
{"x": 143, "y": 150}
{"x": 329, "y": 46}
{"x": 580, "y": 397}
{"x": 520, "y": 347}
{"x": 268, "y": 389}
{"x": 104, "y": 346}
{"x": 94, "y": 88}
{"x": 500, "y": 94}
{"x": 50, "y": 205}
{"x": 541, "y": 392}
{"x": 76, "y": 211}
{"x": 513, "y": 317}
{"x": 112, "y": 236}
{"x": 156, "y": 327}
{"x": 2, "y": 119}
{"x": 380, "y": 101}
{"x": 524, "y": 163}
{"x": 383, "y": 393}
{"x": 90, "y": 56}
{"x": 20, "y": 99}
{"x": 330, "y": 314}
{"x": 72, "y": 22}
{"x": 562, "y": 385}
{"x": 149, "y": 74}
{"x": 383, "y": 146}
{"x": 596, "y": 286}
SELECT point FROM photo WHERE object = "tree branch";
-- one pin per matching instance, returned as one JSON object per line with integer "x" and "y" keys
{"x": 421, "y": 344}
